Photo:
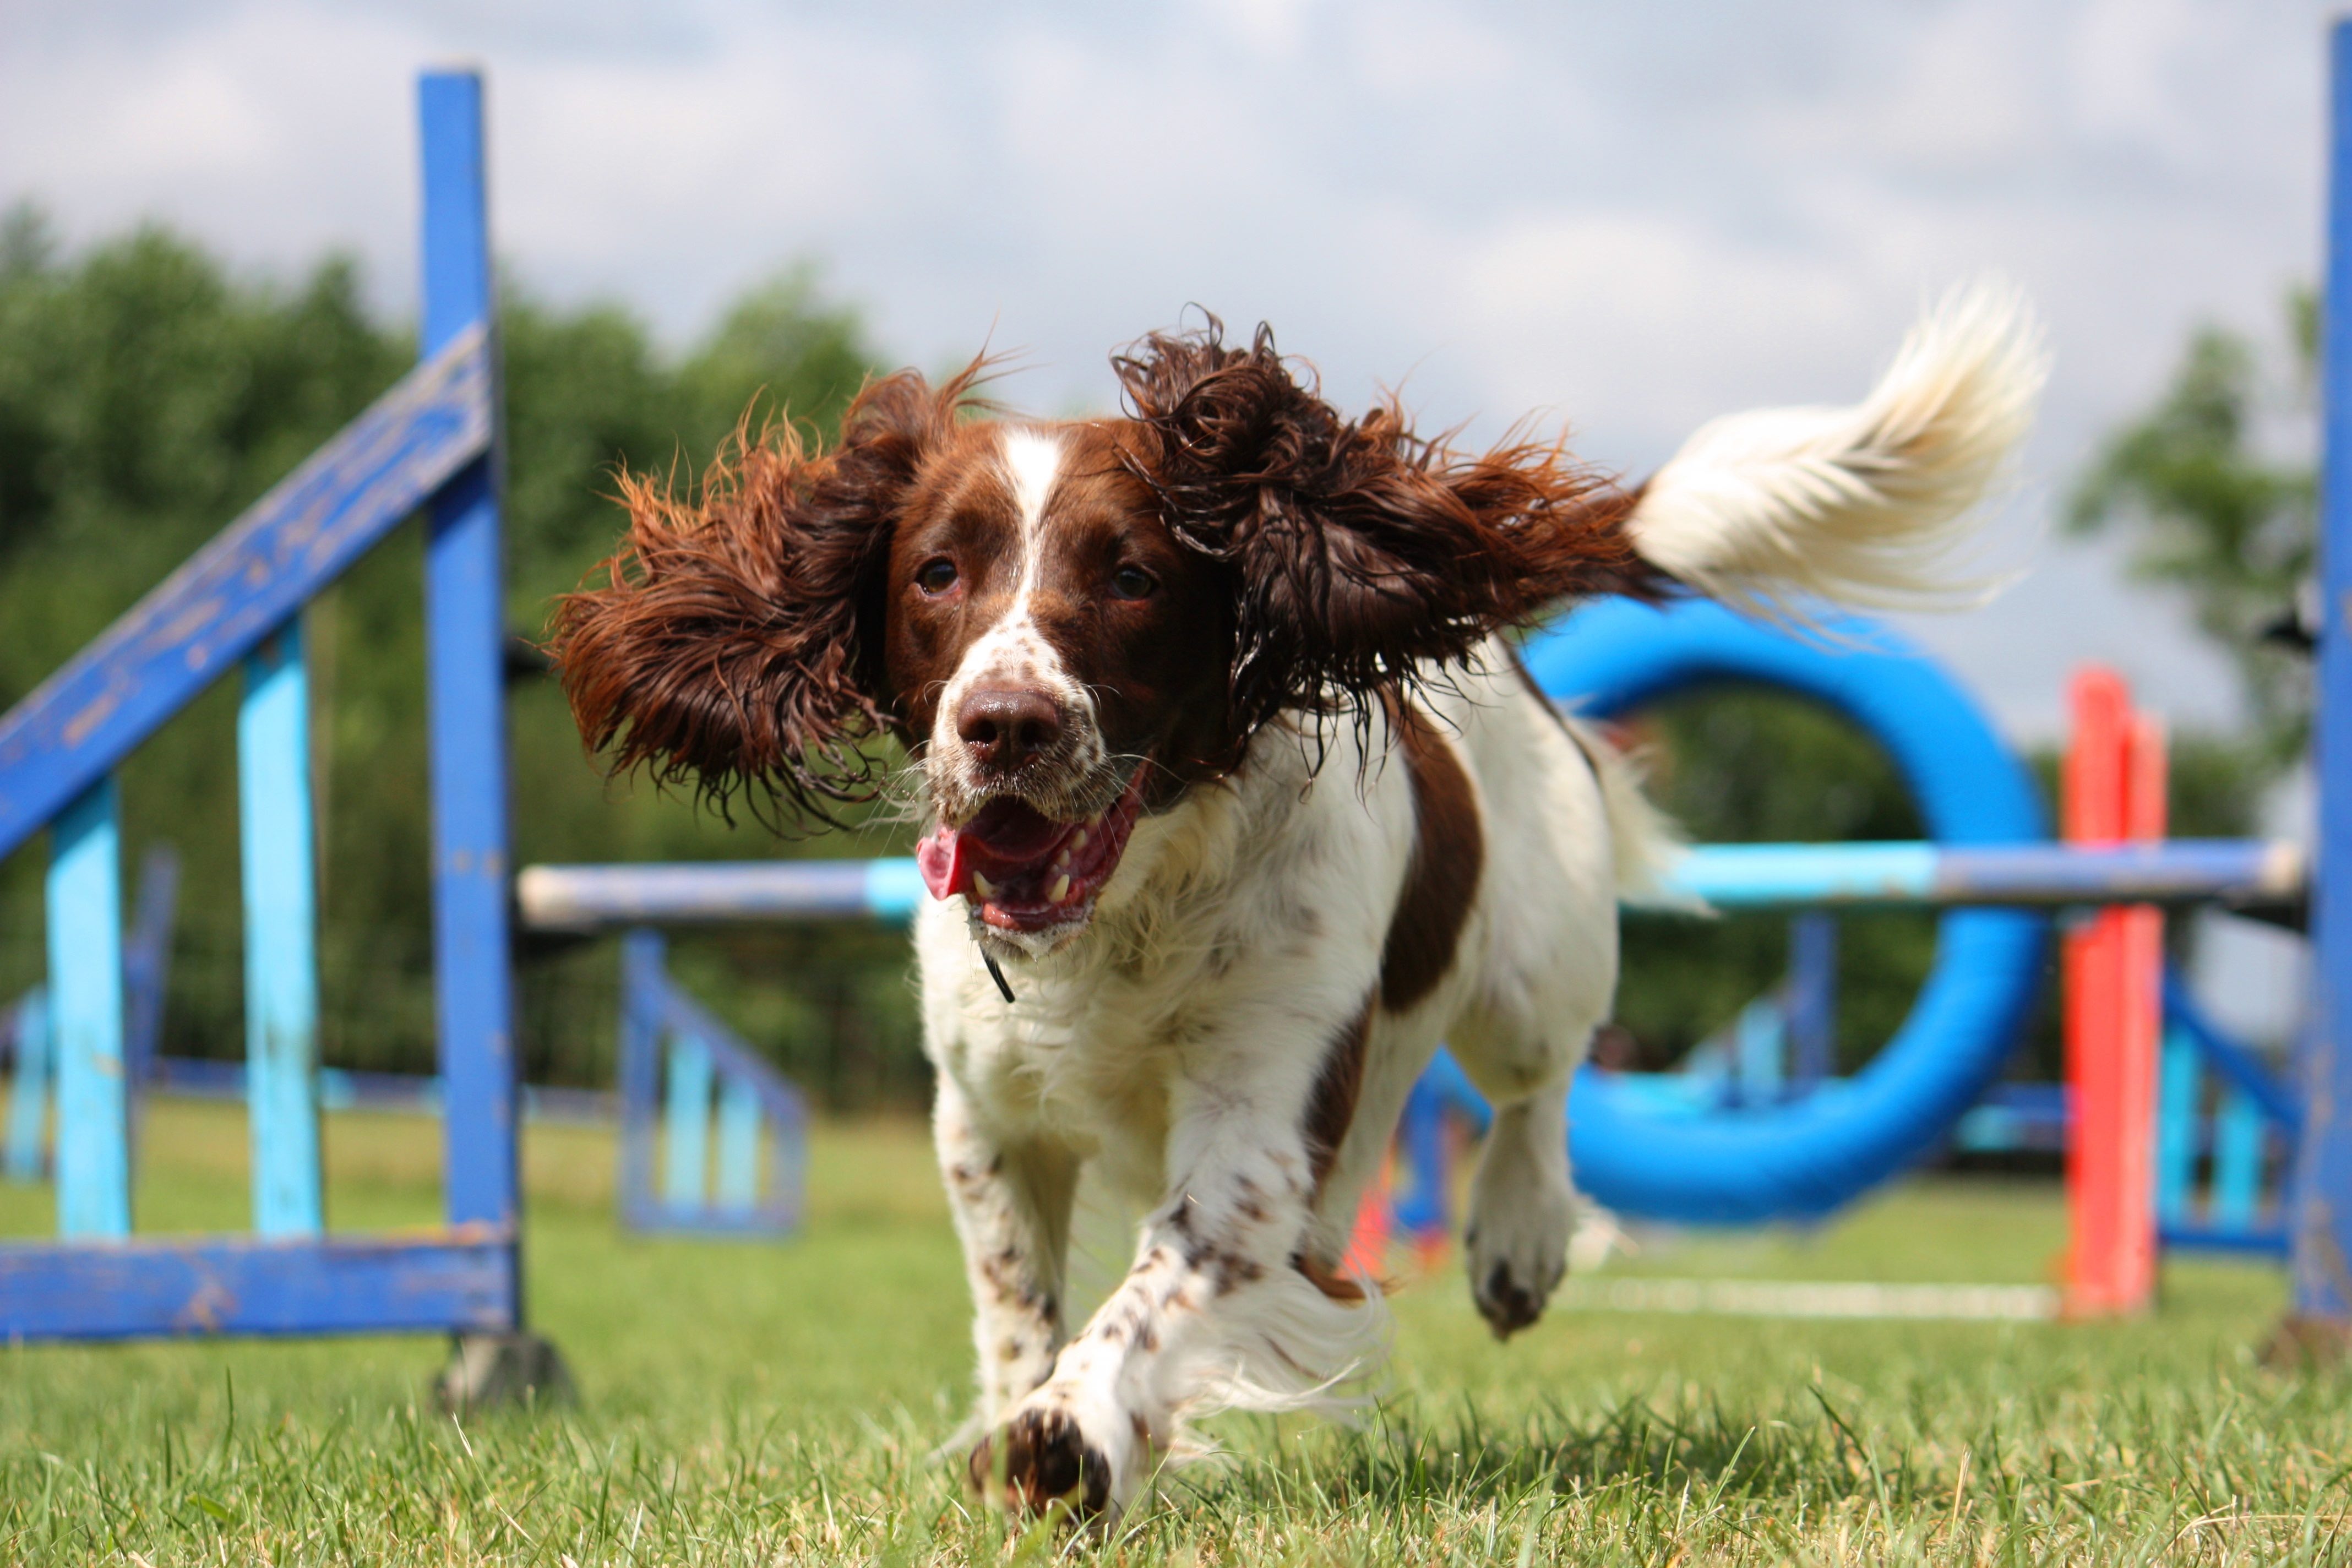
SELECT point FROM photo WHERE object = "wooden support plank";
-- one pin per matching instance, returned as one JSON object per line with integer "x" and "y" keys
{"x": 78, "y": 724}
{"x": 737, "y": 1189}
{"x": 85, "y": 930}
{"x": 2240, "y": 1140}
{"x": 2113, "y": 1010}
{"x": 2322, "y": 1218}
{"x": 640, "y": 1065}
{"x": 465, "y": 705}
{"x": 26, "y": 1159}
{"x": 686, "y": 1125}
{"x": 1760, "y": 1048}
{"x": 151, "y": 1288}
{"x": 2179, "y": 1120}
{"x": 281, "y": 974}
{"x": 1812, "y": 998}
{"x": 758, "y": 1106}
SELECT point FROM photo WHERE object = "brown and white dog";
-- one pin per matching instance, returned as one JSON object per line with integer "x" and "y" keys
{"x": 1237, "y": 804}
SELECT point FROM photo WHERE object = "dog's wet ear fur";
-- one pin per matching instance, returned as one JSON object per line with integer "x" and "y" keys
{"x": 733, "y": 643}
{"x": 1357, "y": 549}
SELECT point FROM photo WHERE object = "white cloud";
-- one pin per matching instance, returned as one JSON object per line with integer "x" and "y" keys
{"x": 1632, "y": 217}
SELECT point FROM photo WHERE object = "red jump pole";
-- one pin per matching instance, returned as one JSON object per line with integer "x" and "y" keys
{"x": 2113, "y": 791}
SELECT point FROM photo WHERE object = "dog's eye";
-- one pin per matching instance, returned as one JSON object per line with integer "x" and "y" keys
{"x": 1133, "y": 583}
{"x": 936, "y": 577}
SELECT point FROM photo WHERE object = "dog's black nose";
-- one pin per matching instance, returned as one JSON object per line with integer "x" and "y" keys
{"x": 1004, "y": 726}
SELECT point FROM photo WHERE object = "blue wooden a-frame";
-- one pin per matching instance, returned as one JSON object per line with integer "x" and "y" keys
{"x": 431, "y": 443}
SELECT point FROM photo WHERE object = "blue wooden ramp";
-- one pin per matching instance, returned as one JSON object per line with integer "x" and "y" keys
{"x": 235, "y": 610}
{"x": 675, "y": 1057}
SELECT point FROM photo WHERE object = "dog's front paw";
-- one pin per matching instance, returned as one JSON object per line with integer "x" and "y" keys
{"x": 1045, "y": 1453}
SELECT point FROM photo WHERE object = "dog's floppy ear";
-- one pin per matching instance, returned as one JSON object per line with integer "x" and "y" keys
{"x": 734, "y": 641}
{"x": 1358, "y": 550}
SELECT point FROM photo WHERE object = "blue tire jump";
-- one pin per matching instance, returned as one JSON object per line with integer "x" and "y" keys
{"x": 1803, "y": 1159}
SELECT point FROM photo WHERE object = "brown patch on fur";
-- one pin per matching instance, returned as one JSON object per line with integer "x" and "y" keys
{"x": 1332, "y": 1105}
{"x": 735, "y": 640}
{"x": 1154, "y": 665}
{"x": 1327, "y": 1277}
{"x": 1356, "y": 550}
{"x": 1044, "y": 1458}
{"x": 756, "y": 635}
{"x": 1448, "y": 856}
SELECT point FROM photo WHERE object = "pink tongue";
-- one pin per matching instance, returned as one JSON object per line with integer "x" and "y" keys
{"x": 1006, "y": 835}
{"x": 940, "y": 857}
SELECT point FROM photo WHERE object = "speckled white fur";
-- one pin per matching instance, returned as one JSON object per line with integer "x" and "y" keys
{"x": 1015, "y": 651}
{"x": 1176, "y": 1043}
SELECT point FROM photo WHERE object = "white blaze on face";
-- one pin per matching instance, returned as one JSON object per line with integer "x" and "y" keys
{"x": 1014, "y": 652}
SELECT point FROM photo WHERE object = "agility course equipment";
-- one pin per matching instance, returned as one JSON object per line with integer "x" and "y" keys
{"x": 1802, "y": 1159}
{"x": 431, "y": 442}
{"x": 433, "y": 439}
{"x": 674, "y": 1053}
{"x": 1653, "y": 1150}
{"x": 2322, "y": 1219}
{"x": 1794, "y": 1158}
{"x": 26, "y": 1034}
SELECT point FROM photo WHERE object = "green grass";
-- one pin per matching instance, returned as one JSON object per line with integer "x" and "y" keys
{"x": 749, "y": 1403}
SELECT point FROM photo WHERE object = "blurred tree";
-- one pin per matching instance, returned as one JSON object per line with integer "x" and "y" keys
{"x": 2213, "y": 514}
{"x": 147, "y": 395}
{"x": 2209, "y": 513}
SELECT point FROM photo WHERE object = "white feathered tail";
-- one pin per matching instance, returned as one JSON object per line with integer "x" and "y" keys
{"x": 1858, "y": 505}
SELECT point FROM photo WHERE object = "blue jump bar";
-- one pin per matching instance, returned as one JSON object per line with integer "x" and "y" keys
{"x": 1725, "y": 876}
{"x": 458, "y": 1279}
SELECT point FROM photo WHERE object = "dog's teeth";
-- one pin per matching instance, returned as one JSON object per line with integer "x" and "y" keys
{"x": 982, "y": 886}
{"x": 1059, "y": 891}
{"x": 1078, "y": 839}
{"x": 1062, "y": 861}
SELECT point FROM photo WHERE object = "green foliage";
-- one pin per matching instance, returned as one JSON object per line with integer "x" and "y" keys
{"x": 2215, "y": 516}
{"x": 147, "y": 395}
{"x": 1740, "y": 764}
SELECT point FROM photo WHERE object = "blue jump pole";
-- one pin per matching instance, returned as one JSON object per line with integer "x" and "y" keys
{"x": 2321, "y": 1317}
{"x": 281, "y": 969}
{"x": 464, "y": 630}
{"x": 85, "y": 918}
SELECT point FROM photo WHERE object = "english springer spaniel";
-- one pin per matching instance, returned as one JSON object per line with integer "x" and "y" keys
{"x": 1237, "y": 802}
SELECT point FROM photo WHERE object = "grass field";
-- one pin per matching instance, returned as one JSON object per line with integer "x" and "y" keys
{"x": 752, "y": 1403}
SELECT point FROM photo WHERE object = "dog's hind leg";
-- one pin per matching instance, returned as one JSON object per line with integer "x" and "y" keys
{"x": 1547, "y": 978}
{"x": 1522, "y": 1204}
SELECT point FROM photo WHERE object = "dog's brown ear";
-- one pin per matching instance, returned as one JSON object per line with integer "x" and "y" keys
{"x": 734, "y": 640}
{"x": 1357, "y": 548}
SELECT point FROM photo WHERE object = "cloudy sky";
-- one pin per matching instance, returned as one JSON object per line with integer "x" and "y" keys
{"x": 1629, "y": 218}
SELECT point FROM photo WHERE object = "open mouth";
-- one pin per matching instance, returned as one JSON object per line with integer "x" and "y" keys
{"x": 1022, "y": 870}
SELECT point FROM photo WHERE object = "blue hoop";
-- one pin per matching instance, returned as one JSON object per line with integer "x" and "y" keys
{"x": 1806, "y": 1158}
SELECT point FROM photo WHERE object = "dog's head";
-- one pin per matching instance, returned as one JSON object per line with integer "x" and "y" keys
{"x": 1066, "y": 624}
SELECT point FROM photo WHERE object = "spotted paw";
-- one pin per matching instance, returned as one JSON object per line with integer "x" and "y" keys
{"x": 1039, "y": 1457}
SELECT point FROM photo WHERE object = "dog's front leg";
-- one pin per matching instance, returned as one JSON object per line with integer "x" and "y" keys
{"x": 1221, "y": 1305}
{"x": 1011, "y": 1197}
